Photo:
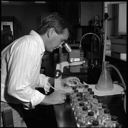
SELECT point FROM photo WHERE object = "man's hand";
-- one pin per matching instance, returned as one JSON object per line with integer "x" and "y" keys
{"x": 60, "y": 85}
{"x": 54, "y": 98}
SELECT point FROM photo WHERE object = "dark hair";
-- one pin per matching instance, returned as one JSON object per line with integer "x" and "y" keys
{"x": 54, "y": 20}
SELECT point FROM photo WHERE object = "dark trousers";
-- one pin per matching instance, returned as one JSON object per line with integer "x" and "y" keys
{"x": 41, "y": 116}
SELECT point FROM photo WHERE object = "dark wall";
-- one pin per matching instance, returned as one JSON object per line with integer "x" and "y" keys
{"x": 89, "y": 9}
{"x": 27, "y": 16}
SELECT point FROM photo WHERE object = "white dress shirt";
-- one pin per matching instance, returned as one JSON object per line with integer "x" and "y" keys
{"x": 20, "y": 71}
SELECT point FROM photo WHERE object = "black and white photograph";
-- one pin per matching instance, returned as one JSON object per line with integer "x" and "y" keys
{"x": 63, "y": 64}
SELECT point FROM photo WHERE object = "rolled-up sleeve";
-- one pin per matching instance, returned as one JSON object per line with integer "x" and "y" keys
{"x": 23, "y": 60}
{"x": 44, "y": 82}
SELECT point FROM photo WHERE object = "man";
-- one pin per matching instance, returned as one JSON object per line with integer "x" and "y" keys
{"x": 20, "y": 69}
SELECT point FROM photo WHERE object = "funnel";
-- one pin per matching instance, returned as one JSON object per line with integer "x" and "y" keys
{"x": 105, "y": 81}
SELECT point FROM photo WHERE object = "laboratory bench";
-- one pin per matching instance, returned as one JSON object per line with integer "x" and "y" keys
{"x": 66, "y": 118}
{"x": 64, "y": 113}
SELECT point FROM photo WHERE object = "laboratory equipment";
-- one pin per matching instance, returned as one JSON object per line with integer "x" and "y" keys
{"x": 89, "y": 111}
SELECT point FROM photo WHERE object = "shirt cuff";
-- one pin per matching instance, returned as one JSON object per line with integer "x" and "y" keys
{"x": 44, "y": 82}
{"x": 37, "y": 98}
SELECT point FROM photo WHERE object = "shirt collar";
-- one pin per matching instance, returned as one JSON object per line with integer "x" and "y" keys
{"x": 39, "y": 39}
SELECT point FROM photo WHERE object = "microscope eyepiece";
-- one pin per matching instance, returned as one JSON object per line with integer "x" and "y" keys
{"x": 67, "y": 47}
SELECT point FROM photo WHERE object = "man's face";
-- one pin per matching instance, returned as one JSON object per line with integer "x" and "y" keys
{"x": 56, "y": 40}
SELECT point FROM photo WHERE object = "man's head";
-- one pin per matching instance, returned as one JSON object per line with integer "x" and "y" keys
{"x": 54, "y": 31}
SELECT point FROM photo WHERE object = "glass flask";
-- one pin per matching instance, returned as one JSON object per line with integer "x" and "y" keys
{"x": 105, "y": 81}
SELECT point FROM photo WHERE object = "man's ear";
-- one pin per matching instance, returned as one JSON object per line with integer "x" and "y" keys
{"x": 50, "y": 32}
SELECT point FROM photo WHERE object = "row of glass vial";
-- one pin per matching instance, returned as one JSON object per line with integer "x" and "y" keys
{"x": 89, "y": 111}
